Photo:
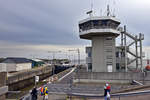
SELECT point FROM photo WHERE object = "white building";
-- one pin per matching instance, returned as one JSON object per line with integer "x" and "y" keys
{"x": 15, "y": 64}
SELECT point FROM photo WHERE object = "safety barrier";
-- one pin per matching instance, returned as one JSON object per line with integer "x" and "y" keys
{"x": 55, "y": 77}
{"x": 140, "y": 95}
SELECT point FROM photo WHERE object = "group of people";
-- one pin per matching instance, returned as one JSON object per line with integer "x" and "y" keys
{"x": 107, "y": 89}
{"x": 43, "y": 92}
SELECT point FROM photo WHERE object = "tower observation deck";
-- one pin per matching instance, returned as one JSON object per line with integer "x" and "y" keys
{"x": 102, "y": 31}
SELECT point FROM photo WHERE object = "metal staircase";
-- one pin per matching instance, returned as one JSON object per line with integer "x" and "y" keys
{"x": 137, "y": 42}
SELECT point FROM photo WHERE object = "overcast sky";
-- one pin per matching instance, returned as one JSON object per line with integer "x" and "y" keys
{"x": 34, "y": 27}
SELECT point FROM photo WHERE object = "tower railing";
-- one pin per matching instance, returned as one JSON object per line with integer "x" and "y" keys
{"x": 96, "y": 27}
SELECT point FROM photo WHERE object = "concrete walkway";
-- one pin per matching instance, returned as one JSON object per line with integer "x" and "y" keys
{"x": 64, "y": 97}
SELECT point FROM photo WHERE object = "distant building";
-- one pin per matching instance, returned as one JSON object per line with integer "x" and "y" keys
{"x": 37, "y": 63}
{"x": 15, "y": 64}
{"x": 1, "y": 60}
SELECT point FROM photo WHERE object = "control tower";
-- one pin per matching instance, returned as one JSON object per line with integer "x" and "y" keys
{"x": 102, "y": 31}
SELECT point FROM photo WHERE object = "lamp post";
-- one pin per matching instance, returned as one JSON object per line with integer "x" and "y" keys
{"x": 78, "y": 56}
{"x": 53, "y": 53}
{"x": 78, "y": 51}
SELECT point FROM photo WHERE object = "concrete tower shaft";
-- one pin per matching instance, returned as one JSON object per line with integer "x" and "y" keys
{"x": 102, "y": 31}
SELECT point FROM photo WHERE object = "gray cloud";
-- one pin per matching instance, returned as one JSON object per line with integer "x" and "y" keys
{"x": 54, "y": 22}
{"x": 39, "y": 22}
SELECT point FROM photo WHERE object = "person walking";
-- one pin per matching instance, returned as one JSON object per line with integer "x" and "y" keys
{"x": 108, "y": 87}
{"x": 107, "y": 92}
{"x": 34, "y": 93}
{"x": 42, "y": 92}
{"x": 45, "y": 93}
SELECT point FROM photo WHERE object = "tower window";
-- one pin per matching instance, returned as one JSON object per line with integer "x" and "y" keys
{"x": 109, "y": 38}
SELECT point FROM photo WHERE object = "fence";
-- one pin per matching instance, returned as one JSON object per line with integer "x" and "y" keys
{"x": 142, "y": 95}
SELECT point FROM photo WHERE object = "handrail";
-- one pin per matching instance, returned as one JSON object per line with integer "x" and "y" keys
{"x": 112, "y": 95}
{"x": 89, "y": 28}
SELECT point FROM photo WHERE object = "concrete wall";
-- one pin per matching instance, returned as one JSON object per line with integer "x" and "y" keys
{"x": 103, "y": 54}
{"x": 23, "y": 66}
{"x": 8, "y": 67}
{"x": 98, "y": 64}
{"x": 120, "y": 77}
{"x": 2, "y": 97}
{"x": 26, "y": 78}
{"x": 15, "y": 67}
{"x": 2, "y": 79}
{"x": 3, "y": 88}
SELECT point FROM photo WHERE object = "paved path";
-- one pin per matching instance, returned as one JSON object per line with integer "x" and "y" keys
{"x": 64, "y": 86}
{"x": 64, "y": 97}
{"x": 66, "y": 79}
{"x": 67, "y": 88}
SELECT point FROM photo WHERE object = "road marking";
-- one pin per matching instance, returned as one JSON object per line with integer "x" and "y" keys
{"x": 66, "y": 74}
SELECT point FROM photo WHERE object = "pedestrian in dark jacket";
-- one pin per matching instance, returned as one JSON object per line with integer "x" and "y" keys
{"x": 34, "y": 94}
{"x": 105, "y": 93}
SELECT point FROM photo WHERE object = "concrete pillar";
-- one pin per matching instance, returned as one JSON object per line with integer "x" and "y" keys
{"x": 2, "y": 84}
{"x": 103, "y": 54}
{"x": 98, "y": 64}
{"x": 2, "y": 97}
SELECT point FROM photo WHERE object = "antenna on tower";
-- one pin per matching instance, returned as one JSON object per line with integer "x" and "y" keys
{"x": 108, "y": 10}
{"x": 114, "y": 4}
{"x": 91, "y": 11}
{"x": 91, "y": 5}
{"x": 101, "y": 12}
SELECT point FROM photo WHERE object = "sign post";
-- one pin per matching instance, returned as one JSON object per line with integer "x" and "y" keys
{"x": 36, "y": 80}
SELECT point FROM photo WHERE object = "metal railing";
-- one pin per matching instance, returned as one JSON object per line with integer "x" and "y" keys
{"x": 141, "y": 95}
{"x": 96, "y": 27}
